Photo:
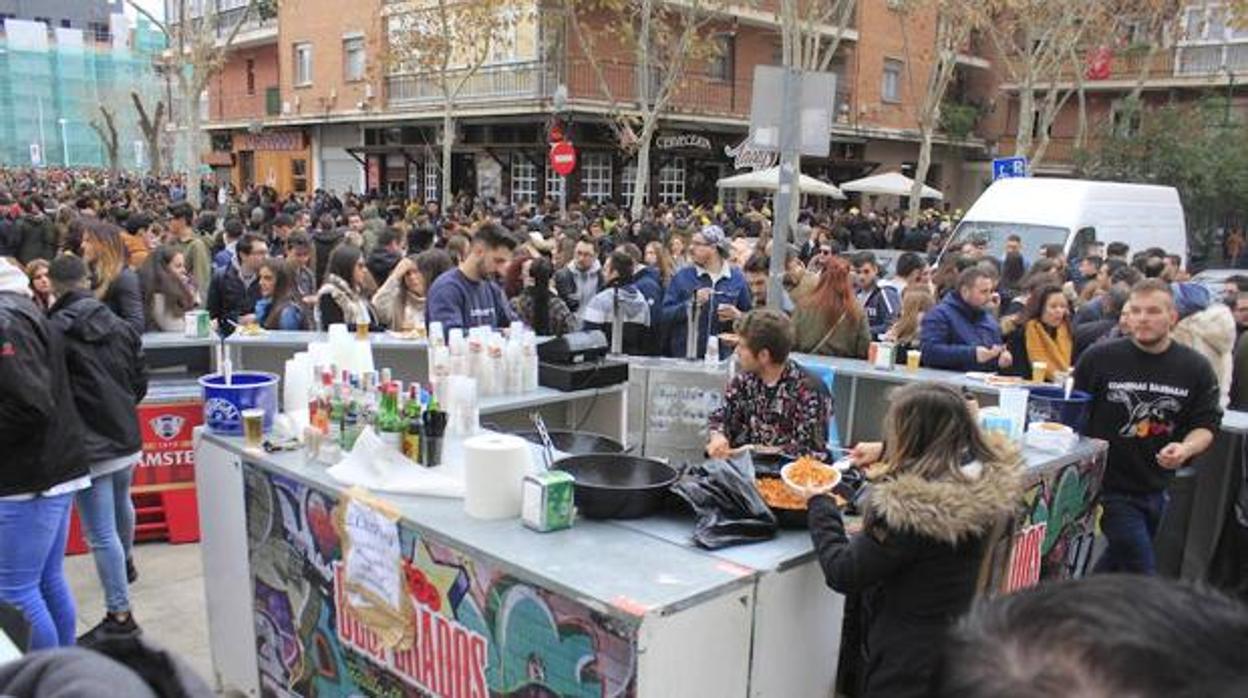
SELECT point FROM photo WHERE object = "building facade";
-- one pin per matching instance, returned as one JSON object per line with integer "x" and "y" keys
{"x": 330, "y": 79}
{"x": 54, "y": 77}
{"x": 1204, "y": 54}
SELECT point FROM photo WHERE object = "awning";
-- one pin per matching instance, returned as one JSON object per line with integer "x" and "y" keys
{"x": 769, "y": 180}
{"x": 889, "y": 184}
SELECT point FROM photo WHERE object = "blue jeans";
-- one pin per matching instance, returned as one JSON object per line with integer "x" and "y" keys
{"x": 1129, "y": 522}
{"x": 32, "y": 573}
{"x": 108, "y": 521}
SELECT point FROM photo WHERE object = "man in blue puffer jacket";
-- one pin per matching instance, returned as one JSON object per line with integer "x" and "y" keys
{"x": 960, "y": 334}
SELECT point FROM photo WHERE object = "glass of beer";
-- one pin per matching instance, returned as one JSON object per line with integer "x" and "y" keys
{"x": 361, "y": 329}
{"x": 1039, "y": 371}
{"x": 253, "y": 428}
{"x": 913, "y": 357}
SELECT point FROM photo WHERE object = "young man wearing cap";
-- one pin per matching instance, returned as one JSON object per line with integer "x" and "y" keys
{"x": 719, "y": 292}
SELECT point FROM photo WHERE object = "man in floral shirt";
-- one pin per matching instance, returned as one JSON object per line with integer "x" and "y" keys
{"x": 773, "y": 404}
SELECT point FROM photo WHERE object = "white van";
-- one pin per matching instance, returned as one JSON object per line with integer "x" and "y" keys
{"x": 1073, "y": 213}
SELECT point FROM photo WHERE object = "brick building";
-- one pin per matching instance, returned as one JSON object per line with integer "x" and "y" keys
{"x": 1204, "y": 55}
{"x": 319, "y": 75}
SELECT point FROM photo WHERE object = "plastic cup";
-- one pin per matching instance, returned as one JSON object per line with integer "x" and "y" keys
{"x": 1039, "y": 371}
{"x": 361, "y": 330}
{"x": 253, "y": 428}
{"x": 913, "y": 359}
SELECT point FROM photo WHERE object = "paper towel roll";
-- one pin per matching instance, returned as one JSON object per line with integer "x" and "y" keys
{"x": 494, "y": 466}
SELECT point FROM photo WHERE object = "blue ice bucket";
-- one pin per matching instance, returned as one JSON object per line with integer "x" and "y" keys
{"x": 224, "y": 404}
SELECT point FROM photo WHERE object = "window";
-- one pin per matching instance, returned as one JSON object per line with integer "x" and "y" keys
{"x": 523, "y": 179}
{"x": 723, "y": 58}
{"x": 1215, "y": 27}
{"x": 251, "y": 76}
{"x": 890, "y": 91}
{"x": 303, "y": 65}
{"x": 1192, "y": 21}
{"x": 672, "y": 182}
{"x": 100, "y": 31}
{"x": 554, "y": 185}
{"x": 431, "y": 180}
{"x": 628, "y": 183}
{"x": 353, "y": 59}
{"x": 65, "y": 24}
{"x": 596, "y": 177}
{"x": 299, "y": 175}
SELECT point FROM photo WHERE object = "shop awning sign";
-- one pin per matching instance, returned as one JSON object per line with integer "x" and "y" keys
{"x": 745, "y": 156}
{"x": 681, "y": 141}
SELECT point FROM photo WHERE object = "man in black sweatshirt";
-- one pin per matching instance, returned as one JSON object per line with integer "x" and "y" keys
{"x": 1156, "y": 402}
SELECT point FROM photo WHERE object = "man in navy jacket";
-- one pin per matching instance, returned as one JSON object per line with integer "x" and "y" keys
{"x": 717, "y": 288}
{"x": 960, "y": 334}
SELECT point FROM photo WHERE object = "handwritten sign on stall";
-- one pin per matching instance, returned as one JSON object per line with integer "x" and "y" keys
{"x": 372, "y": 567}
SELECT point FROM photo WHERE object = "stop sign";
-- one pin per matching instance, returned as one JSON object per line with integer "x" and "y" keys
{"x": 563, "y": 158}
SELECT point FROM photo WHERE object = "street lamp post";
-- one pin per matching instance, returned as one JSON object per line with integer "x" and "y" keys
{"x": 64, "y": 140}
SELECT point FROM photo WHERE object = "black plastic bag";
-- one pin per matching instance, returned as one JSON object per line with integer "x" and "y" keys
{"x": 729, "y": 508}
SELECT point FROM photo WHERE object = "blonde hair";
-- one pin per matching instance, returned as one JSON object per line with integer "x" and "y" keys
{"x": 930, "y": 433}
{"x": 110, "y": 254}
{"x": 914, "y": 302}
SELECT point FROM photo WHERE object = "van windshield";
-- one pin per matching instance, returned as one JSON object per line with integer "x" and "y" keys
{"x": 1034, "y": 237}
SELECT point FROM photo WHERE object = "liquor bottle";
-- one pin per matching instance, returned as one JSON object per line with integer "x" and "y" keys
{"x": 389, "y": 421}
{"x": 337, "y": 411}
{"x": 351, "y": 427}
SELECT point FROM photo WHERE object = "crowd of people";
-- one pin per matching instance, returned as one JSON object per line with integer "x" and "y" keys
{"x": 87, "y": 266}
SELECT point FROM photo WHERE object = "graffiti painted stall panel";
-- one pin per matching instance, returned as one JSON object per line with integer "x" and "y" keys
{"x": 478, "y": 631}
{"x": 1053, "y": 536}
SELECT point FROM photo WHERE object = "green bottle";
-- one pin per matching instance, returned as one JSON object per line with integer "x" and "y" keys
{"x": 389, "y": 421}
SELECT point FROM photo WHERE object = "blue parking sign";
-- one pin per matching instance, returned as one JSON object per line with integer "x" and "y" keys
{"x": 1006, "y": 168}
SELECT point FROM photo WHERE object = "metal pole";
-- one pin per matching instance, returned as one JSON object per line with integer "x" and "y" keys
{"x": 64, "y": 141}
{"x": 43, "y": 146}
{"x": 786, "y": 195}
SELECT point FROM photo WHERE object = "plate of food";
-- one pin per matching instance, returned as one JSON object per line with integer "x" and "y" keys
{"x": 807, "y": 476}
{"x": 788, "y": 506}
{"x": 412, "y": 335}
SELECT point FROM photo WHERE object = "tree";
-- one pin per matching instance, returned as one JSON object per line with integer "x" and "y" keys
{"x": 153, "y": 127}
{"x": 194, "y": 56}
{"x": 1037, "y": 42}
{"x": 106, "y": 129}
{"x": 450, "y": 41}
{"x": 664, "y": 40}
{"x": 1200, "y": 149}
{"x": 955, "y": 19}
{"x": 811, "y": 31}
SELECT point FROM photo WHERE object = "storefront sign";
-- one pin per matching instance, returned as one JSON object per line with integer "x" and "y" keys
{"x": 745, "y": 156}
{"x": 270, "y": 140}
{"x": 476, "y": 630}
{"x": 683, "y": 140}
{"x": 168, "y": 449}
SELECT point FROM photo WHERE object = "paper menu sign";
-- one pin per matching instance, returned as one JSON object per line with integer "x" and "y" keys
{"x": 372, "y": 575}
{"x": 373, "y": 556}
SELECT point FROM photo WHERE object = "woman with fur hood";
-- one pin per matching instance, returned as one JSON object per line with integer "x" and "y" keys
{"x": 937, "y": 495}
{"x": 1207, "y": 326}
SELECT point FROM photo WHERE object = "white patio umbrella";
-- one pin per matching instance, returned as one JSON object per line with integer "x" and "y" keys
{"x": 889, "y": 184}
{"x": 769, "y": 180}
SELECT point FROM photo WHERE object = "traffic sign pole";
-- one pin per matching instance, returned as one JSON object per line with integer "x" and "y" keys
{"x": 786, "y": 194}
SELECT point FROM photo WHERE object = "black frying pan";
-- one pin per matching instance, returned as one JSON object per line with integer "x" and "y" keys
{"x": 610, "y": 486}
{"x": 576, "y": 443}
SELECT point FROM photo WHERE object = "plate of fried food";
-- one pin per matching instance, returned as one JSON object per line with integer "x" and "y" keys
{"x": 786, "y": 495}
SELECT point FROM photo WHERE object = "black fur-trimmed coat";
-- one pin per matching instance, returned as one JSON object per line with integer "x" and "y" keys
{"x": 915, "y": 563}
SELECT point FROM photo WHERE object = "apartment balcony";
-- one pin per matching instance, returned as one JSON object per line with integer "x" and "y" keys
{"x": 1186, "y": 65}
{"x": 698, "y": 94}
{"x": 504, "y": 82}
{"x": 255, "y": 31}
